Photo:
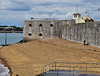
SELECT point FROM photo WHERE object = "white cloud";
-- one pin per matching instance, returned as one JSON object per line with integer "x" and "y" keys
{"x": 19, "y": 10}
{"x": 4, "y": 2}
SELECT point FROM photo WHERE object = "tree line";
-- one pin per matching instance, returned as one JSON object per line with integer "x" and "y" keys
{"x": 11, "y": 28}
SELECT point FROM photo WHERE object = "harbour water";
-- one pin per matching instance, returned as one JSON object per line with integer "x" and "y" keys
{"x": 11, "y": 39}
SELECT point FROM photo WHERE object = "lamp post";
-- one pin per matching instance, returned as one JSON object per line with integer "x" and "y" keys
{"x": 5, "y": 37}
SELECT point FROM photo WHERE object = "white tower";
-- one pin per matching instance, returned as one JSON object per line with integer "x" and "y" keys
{"x": 77, "y": 16}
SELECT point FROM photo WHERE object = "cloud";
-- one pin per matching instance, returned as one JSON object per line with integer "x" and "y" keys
{"x": 13, "y": 6}
{"x": 91, "y": 0}
{"x": 16, "y": 11}
{"x": 22, "y": 8}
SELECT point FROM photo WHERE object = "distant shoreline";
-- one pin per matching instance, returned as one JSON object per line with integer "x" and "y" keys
{"x": 11, "y": 31}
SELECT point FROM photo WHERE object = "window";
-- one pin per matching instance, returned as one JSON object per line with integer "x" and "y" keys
{"x": 51, "y": 25}
{"x": 75, "y": 15}
{"x": 79, "y": 15}
{"x": 40, "y": 25}
{"x": 67, "y": 22}
{"x": 29, "y": 34}
{"x": 40, "y": 34}
{"x": 30, "y": 25}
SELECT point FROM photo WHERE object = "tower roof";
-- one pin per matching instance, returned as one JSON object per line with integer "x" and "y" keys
{"x": 76, "y": 14}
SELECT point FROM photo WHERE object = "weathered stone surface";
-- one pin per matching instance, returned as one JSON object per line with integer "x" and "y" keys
{"x": 43, "y": 29}
{"x": 65, "y": 29}
{"x": 85, "y": 31}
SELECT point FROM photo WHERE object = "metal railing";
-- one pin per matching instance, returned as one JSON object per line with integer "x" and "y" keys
{"x": 83, "y": 67}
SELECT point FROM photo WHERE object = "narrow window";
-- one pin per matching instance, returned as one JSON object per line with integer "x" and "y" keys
{"x": 30, "y": 25}
{"x": 79, "y": 15}
{"x": 51, "y": 25}
{"x": 40, "y": 34}
{"x": 40, "y": 25}
{"x": 29, "y": 34}
{"x": 75, "y": 15}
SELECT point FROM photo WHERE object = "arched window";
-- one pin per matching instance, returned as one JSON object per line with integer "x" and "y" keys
{"x": 51, "y": 25}
{"x": 29, "y": 34}
{"x": 30, "y": 25}
{"x": 40, "y": 34}
{"x": 40, "y": 25}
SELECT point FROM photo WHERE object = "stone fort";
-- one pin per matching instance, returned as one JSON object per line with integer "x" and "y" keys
{"x": 78, "y": 29}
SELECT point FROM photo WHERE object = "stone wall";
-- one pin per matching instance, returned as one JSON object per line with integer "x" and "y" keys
{"x": 65, "y": 29}
{"x": 43, "y": 29}
{"x": 84, "y": 31}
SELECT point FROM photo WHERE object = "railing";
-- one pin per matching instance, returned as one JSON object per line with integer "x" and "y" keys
{"x": 83, "y": 67}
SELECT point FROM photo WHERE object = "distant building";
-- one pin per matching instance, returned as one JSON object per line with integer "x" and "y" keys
{"x": 6, "y": 27}
{"x": 11, "y": 28}
{"x": 78, "y": 19}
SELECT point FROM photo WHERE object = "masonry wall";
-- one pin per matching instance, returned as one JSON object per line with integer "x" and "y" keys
{"x": 85, "y": 31}
{"x": 65, "y": 29}
{"x": 39, "y": 29}
{"x": 43, "y": 29}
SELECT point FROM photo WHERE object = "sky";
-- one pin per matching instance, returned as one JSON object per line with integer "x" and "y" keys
{"x": 14, "y": 12}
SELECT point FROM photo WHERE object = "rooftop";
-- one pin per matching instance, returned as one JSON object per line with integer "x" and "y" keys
{"x": 43, "y": 18}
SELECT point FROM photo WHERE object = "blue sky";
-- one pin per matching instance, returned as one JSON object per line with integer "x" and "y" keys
{"x": 14, "y": 12}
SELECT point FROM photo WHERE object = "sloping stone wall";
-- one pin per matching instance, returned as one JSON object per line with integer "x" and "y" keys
{"x": 84, "y": 31}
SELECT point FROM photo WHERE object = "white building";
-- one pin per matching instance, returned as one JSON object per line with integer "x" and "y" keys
{"x": 78, "y": 19}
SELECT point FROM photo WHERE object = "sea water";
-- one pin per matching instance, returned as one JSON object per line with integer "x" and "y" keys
{"x": 12, "y": 38}
{"x": 4, "y": 71}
